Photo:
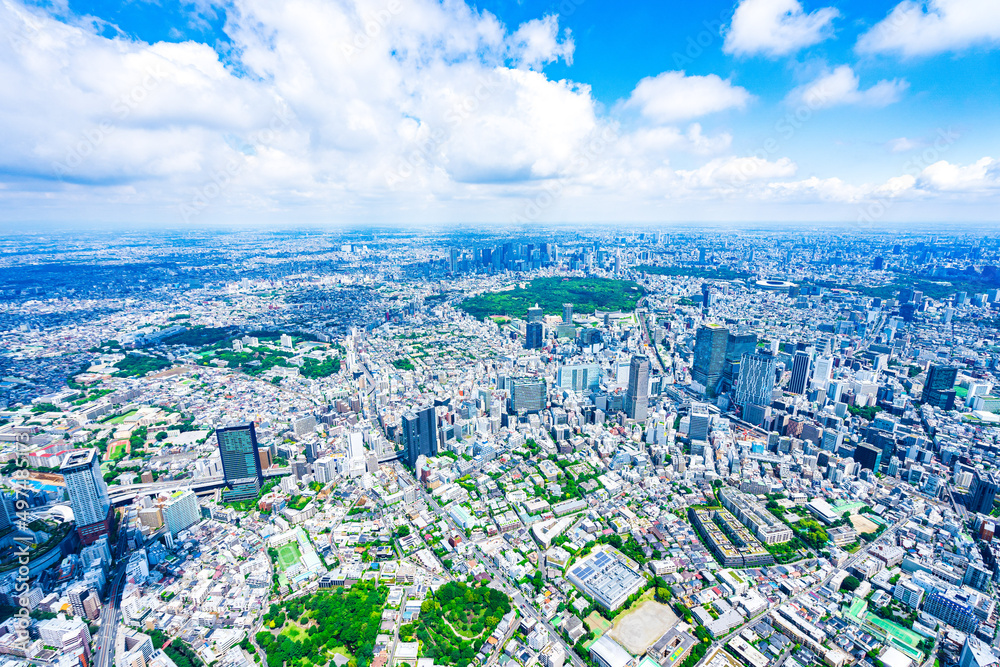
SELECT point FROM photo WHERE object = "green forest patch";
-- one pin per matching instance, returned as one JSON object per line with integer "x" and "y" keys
{"x": 311, "y": 630}
{"x": 455, "y": 621}
{"x": 586, "y": 295}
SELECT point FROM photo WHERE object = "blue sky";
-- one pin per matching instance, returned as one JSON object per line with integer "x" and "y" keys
{"x": 421, "y": 111}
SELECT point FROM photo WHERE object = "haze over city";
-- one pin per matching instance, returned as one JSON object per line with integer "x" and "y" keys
{"x": 417, "y": 333}
{"x": 424, "y": 112}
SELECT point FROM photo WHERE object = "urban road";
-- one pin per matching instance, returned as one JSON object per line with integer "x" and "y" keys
{"x": 111, "y": 613}
{"x": 850, "y": 561}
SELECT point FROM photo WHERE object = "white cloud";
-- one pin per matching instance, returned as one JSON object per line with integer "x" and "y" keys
{"x": 734, "y": 172}
{"x": 536, "y": 43}
{"x": 342, "y": 113}
{"x": 903, "y": 144}
{"x": 671, "y": 96}
{"x": 841, "y": 86}
{"x": 943, "y": 176}
{"x": 776, "y": 27}
{"x": 925, "y": 28}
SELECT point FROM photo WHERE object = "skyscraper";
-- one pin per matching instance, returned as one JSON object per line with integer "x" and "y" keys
{"x": 939, "y": 390}
{"x": 88, "y": 495}
{"x": 822, "y": 371}
{"x": 637, "y": 395}
{"x": 181, "y": 511}
{"x": 535, "y": 335}
{"x": 240, "y": 462}
{"x": 709, "y": 356}
{"x": 800, "y": 372}
{"x": 527, "y": 395}
{"x": 736, "y": 345}
{"x": 420, "y": 434}
{"x": 756, "y": 380}
{"x": 579, "y": 377}
{"x": 567, "y": 313}
{"x": 868, "y": 457}
{"x": 535, "y": 314}
{"x": 982, "y": 492}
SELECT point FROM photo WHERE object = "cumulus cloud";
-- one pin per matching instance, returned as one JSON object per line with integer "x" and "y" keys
{"x": 943, "y": 176}
{"x": 537, "y": 43}
{"x": 671, "y": 96}
{"x": 842, "y": 86}
{"x": 776, "y": 27}
{"x": 349, "y": 111}
{"x": 732, "y": 172}
{"x": 925, "y": 28}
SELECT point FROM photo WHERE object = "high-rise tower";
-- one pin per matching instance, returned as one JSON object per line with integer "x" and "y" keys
{"x": 240, "y": 462}
{"x": 88, "y": 495}
{"x": 709, "y": 356}
{"x": 637, "y": 395}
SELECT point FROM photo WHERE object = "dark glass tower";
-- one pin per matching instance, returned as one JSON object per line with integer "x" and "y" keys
{"x": 709, "y": 356}
{"x": 240, "y": 462}
{"x": 420, "y": 434}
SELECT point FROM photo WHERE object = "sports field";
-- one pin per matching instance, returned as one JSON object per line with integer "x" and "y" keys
{"x": 288, "y": 555}
{"x": 905, "y": 635}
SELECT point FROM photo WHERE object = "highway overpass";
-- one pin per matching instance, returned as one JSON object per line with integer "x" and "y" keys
{"x": 125, "y": 495}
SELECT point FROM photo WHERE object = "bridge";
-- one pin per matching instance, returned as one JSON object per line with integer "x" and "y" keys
{"x": 126, "y": 495}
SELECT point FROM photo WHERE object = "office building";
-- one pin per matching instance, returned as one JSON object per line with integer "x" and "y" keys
{"x": 952, "y": 608}
{"x": 535, "y": 314}
{"x": 822, "y": 372}
{"x": 736, "y": 345}
{"x": 637, "y": 395}
{"x": 579, "y": 377}
{"x": 7, "y": 513}
{"x": 982, "y": 492}
{"x": 699, "y": 420}
{"x": 304, "y": 426}
{"x": 939, "y": 389}
{"x": 84, "y": 601}
{"x": 800, "y": 372}
{"x": 709, "y": 357}
{"x": 567, "y": 313}
{"x": 240, "y": 462}
{"x": 908, "y": 593}
{"x": 534, "y": 336}
{"x": 977, "y": 653}
{"x": 67, "y": 635}
{"x": 868, "y": 457}
{"x": 420, "y": 434}
{"x": 756, "y": 379}
{"x": 181, "y": 511}
{"x": 527, "y": 395}
{"x": 88, "y": 494}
